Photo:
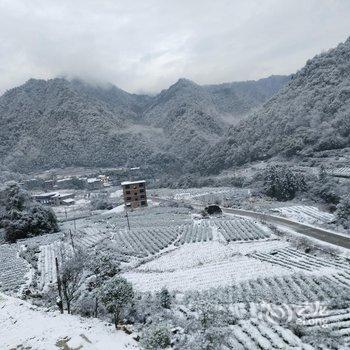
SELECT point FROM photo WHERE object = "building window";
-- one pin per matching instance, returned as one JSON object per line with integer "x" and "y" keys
{"x": 127, "y": 186}
{"x": 142, "y": 196}
{"x": 135, "y": 193}
{"x": 143, "y": 202}
{"x": 142, "y": 190}
{"x": 127, "y": 192}
{"x": 141, "y": 184}
{"x": 128, "y": 198}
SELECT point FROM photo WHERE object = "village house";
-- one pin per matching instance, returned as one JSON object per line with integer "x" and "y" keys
{"x": 55, "y": 198}
{"x": 134, "y": 193}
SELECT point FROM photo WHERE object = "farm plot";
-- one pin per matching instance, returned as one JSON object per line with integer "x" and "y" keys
{"x": 13, "y": 269}
{"x": 340, "y": 172}
{"x": 141, "y": 242}
{"x": 255, "y": 334}
{"x": 87, "y": 237}
{"x": 46, "y": 262}
{"x": 291, "y": 289}
{"x": 199, "y": 231}
{"x": 240, "y": 230}
{"x": 187, "y": 256}
{"x": 293, "y": 259}
{"x": 152, "y": 217}
{"x": 337, "y": 321}
{"x": 221, "y": 273}
{"x": 307, "y": 214}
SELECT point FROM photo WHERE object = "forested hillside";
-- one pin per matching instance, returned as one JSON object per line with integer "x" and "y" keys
{"x": 306, "y": 118}
{"x": 236, "y": 100}
{"x": 60, "y": 123}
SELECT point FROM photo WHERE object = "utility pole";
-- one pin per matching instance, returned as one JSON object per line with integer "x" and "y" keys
{"x": 60, "y": 302}
{"x": 75, "y": 225}
{"x": 127, "y": 218}
{"x": 71, "y": 240}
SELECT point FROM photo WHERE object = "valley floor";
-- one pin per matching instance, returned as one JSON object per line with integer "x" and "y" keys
{"x": 227, "y": 261}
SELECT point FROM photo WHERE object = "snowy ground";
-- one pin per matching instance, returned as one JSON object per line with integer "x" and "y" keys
{"x": 198, "y": 254}
{"x": 25, "y": 326}
{"x": 199, "y": 266}
{"x": 223, "y": 273}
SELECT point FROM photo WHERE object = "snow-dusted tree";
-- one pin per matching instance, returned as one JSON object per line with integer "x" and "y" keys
{"x": 156, "y": 337}
{"x": 165, "y": 298}
{"x": 281, "y": 183}
{"x": 343, "y": 211}
{"x": 103, "y": 266}
{"x": 210, "y": 327}
{"x": 21, "y": 217}
{"x": 116, "y": 294}
{"x": 72, "y": 277}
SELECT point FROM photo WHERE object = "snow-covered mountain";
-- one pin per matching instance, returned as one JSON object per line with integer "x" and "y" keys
{"x": 309, "y": 117}
{"x": 59, "y": 123}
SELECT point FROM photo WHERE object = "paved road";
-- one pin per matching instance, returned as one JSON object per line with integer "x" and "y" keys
{"x": 307, "y": 230}
{"x": 315, "y": 232}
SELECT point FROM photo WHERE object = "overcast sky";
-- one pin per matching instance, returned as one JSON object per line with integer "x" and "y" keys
{"x": 146, "y": 45}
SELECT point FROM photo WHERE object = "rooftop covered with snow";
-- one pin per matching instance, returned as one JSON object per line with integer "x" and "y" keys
{"x": 132, "y": 182}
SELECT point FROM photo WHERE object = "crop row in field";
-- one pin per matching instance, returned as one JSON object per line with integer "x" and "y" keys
{"x": 294, "y": 259}
{"x": 199, "y": 231}
{"x": 255, "y": 334}
{"x": 142, "y": 242}
{"x": 291, "y": 289}
{"x": 206, "y": 275}
{"x": 13, "y": 269}
{"x": 240, "y": 230}
{"x": 86, "y": 238}
{"x": 341, "y": 172}
{"x": 46, "y": 262}
{"x": 337, "y": 321}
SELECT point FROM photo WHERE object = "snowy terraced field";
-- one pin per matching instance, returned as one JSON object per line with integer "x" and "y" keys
{"x": 337, "y": 320}
{"x": 253, "y": 334}
{"x": 306, "y": 214}
{"x": 142, "y": 242}
{"x": 205, "y": 195}
{"x": 13, "y": 269}
{"x": 199, "y": 231}
{"x": 341, "y": 172}
{"x": 286, "y": 288}
{"x": 197, "y": 254}
{"x": 227, "y": 272}
{"x": 46, "y": 262}
{"x": 240, "y": 230}
{"x": 294, "y": 259}
{"x": 88, "y": 237}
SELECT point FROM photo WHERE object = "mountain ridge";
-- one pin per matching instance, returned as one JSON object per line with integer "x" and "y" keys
{"x": 308, "y": 116}
{"x": 60, "y": 123}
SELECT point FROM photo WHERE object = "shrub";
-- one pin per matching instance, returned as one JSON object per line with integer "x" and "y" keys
{"x": 157, "y": 337}
{"x": 101, "y": 202}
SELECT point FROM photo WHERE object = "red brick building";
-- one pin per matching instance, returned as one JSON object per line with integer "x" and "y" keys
{"x": 134, "y": 193}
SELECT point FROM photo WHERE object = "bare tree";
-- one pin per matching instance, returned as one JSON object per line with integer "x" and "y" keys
{"x": 72, "y": 278}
